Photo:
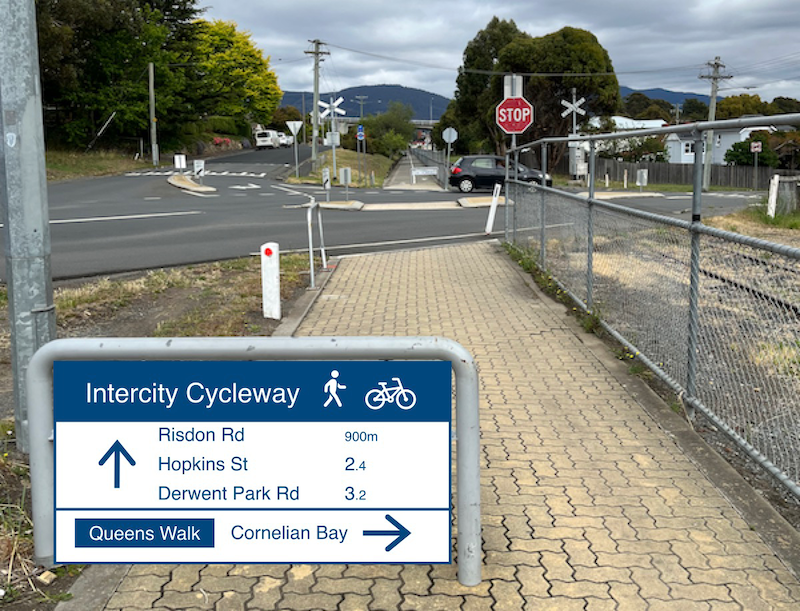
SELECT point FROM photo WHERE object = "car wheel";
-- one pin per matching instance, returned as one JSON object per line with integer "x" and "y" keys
{"x": 466, "y": 185}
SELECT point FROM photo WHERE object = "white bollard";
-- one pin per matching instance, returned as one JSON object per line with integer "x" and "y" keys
{"x": 772, "y": 198}
{"x": 271, "y": 280}
{"x": 493, "y": 209}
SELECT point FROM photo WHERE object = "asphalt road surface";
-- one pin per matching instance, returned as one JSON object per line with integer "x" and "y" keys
{"x": 139, "y": 221}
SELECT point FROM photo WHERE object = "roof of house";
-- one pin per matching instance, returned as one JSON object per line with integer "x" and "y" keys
{"x": 626, "y": 123}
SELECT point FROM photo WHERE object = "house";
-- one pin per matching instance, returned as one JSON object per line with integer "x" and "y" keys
{"x": 624, "y": 124}
{"x": 680, "y": 147}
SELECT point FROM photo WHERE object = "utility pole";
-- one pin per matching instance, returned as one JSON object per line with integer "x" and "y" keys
{"x": 315, "y": 110}
{"x": 153, "y": 132}
{"x": 23, "y": 200}
{"x": 714, "y": 77}
{"x": 361, "y": 101}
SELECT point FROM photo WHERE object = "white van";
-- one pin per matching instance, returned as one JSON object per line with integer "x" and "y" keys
{"x": 266, "y": 139}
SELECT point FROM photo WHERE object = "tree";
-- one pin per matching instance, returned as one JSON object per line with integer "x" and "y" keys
{"x": 786, "y": 105}
{"x": 739, "y": 153}
{"x": 565, "y": 53}
{"x": 390, "y": 132}
{"x": 636, "y": 103}
{"x": 237, "y": 80}
{"x": 93, "y": 62}
{"x": 282, "y": 115}
{"x": 655, "y": 111}
{"x": 737, "y": 106}
{"x": 694, "y": 110}
{"x": 474, "y": 101}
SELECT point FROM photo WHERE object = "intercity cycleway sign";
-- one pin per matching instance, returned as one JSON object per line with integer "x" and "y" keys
{"x": 253, "y": 461}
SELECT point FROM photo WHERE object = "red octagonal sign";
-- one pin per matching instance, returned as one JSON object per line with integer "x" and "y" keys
{"x": 514, "y": 115}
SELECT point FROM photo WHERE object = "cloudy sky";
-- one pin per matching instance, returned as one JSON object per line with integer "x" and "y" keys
{"x": 420, "y": 43}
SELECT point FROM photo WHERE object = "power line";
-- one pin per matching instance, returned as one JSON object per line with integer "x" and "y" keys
{"x": 501, "y": 73}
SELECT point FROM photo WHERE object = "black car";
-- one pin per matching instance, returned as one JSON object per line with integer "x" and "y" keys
{"x": 484, "y": 171}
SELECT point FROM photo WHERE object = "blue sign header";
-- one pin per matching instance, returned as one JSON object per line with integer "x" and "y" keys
{"x": 254, "y": 391}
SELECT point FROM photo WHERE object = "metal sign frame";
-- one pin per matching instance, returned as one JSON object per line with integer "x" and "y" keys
{"x": 40, "y": 389}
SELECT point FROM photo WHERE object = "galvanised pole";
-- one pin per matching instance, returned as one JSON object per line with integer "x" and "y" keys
{"x": 542, "y": 230}
{"x": 516, "y": 189}
{"x": 506, "y": 201}
{"x": 23, "y": 199}
{"x": 151, "y": 87}
{"x": 694, "y": 274}
{"x": 590, "y": 230}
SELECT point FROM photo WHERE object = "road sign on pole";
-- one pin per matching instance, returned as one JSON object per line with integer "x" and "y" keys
{"x": 514, "y": 115}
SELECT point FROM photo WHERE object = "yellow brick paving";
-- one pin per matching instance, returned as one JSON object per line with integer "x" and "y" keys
{"x": 586, "y": 502}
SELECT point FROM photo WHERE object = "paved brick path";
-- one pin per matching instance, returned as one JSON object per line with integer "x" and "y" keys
{"x": 587, "y": 503}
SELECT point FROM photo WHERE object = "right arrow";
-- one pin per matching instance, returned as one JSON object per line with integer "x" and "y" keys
{"x": 116, "y": 450}
{"x": 401, "y": 533}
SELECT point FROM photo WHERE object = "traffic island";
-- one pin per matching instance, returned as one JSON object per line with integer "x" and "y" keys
{"x": 182, "y": 181}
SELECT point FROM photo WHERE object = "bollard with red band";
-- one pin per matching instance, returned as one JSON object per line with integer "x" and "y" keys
{"x": 271, "y": 280}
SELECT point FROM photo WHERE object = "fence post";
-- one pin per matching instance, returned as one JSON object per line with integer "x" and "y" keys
{"x": 505, "y": 205}
{"x": 542, "y": 231}
{"x": 590, "y": 230}
{"x": 694, "y": 274}
{"x": 515, "y": 199}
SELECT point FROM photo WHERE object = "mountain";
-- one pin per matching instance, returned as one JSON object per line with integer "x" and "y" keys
{"x": 426, "y": 105}
{"x": 673, "y": 97}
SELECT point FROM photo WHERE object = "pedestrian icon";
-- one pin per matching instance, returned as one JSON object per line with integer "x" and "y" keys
{"x": 332, "y": 387}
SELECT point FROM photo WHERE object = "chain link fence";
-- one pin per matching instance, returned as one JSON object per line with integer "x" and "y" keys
{"x": 721, "y": 328}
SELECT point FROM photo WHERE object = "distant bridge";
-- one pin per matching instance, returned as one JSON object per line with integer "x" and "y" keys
{"x": 421, "y": 123}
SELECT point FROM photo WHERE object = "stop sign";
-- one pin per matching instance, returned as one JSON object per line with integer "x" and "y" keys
{"x": 514, "y": 115}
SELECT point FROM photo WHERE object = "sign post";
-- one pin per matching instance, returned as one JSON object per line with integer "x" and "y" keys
{"x": 197, "y": 450}
{"x": 294, "y": 127}
{"x": 360, "y": 146}
{"x": 513, "y": 115}
{"x": 449, "y": 135}
{"x": 755, "y": 148}
{"x": 574, "y": 108}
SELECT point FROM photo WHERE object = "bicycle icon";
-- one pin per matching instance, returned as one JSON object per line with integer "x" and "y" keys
{"x": 378, "y": 397}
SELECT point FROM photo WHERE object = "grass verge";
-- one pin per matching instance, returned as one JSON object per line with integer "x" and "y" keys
{"x": 213, "y": 299}
{"x": 376, "y": 165}
{"x": 66, "y": 165}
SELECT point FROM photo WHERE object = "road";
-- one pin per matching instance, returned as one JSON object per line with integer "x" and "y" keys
{"x": 679, "y": 205}
{"x": 139, "y": 221}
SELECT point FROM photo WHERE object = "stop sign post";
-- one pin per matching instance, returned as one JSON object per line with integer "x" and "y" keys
{"x": 514, "y": 115}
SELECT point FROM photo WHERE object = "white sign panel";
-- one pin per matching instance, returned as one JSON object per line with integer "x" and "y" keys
{"x": 232, "y": 462}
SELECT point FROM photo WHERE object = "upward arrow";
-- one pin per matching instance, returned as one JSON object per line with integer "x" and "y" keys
{"x": 116, "y": 450}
